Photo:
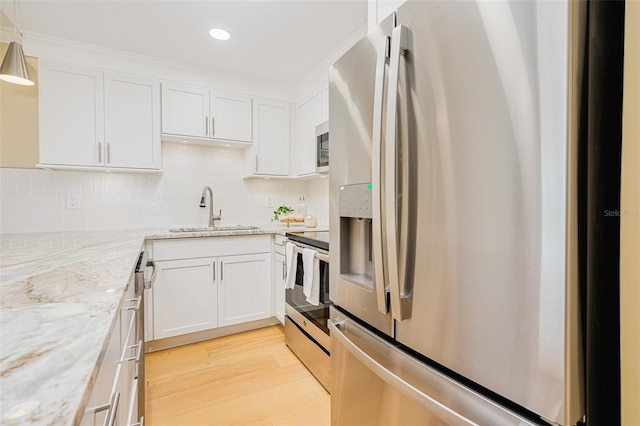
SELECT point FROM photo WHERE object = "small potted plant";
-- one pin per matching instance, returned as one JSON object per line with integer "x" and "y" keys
{"x": 281, "y": 211}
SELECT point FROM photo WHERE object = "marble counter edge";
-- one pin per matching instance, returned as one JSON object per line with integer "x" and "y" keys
{"x": 24, "y": 261}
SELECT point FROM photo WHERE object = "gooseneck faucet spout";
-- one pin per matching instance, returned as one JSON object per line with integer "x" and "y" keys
{"x": 212, "y": 217}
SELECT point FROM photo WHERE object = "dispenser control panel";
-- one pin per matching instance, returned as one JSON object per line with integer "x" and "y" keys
{"x": 355, "y": 200}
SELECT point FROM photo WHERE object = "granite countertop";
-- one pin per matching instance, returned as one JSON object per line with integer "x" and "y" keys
{"x": 60, "y": 292}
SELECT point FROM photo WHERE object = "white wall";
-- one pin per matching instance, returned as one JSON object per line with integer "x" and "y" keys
{"x": 318, "y": 199}
{"x": 35, "y": 200}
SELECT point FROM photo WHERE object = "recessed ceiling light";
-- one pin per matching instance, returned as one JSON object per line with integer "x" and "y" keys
{"x": 219, "y": 34}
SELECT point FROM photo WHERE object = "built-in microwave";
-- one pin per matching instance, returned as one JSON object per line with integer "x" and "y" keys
{"x": 322, "y": 147}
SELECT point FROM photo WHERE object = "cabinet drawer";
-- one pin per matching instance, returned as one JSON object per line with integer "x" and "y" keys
{"x": 130, "y": 343}
{"x": 279, "y": 243}
{"x": 190, "y": 248}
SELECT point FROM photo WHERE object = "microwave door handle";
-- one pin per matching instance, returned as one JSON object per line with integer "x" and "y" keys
{"x": 400, "y": 306}
{"x": 377, "y": 166}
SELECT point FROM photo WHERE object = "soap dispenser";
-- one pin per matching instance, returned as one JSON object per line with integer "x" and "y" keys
{"x": 302, "y": 208}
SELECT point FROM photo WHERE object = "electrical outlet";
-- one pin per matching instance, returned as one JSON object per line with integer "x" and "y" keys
{"x": 269, "y": 200}
{"x": 73, "y": 202}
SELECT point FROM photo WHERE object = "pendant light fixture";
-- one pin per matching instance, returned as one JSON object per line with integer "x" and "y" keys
{"x": 14, "y": 67}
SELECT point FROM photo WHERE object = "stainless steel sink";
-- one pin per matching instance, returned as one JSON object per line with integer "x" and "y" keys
{"x": 216, "y": 228}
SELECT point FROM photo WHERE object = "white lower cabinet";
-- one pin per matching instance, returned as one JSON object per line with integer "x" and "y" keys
{"x": 105, "y": 389}
{"x": 184, "y": 297}
{"x": 243, "y": 291}
{"x": 114, "y": 397}
{"x": 201, "y": 291}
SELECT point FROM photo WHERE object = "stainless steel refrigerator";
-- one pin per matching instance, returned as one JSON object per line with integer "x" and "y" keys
{"x": 452, "y": 217}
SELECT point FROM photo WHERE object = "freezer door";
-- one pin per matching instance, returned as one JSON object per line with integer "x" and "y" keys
{"x": 374, "y": 383}
{"x": 477, "y": 122}
{"x": 356, "y": 85}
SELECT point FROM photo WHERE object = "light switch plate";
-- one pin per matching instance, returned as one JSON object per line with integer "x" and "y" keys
{"x": 269, "y": 200}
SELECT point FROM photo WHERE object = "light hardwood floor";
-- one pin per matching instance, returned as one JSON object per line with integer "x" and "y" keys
{"x": 250, "y": 378}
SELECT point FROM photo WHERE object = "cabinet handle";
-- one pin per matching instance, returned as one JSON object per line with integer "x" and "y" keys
{"x": 137, "y": 346}
{"x": 140, "y": 423}
{"x": 213, "y": 126}
{"x": 112, "y": 406}
{"x": 112, "y": 415}
{"x": 99, "y": 152}
{"x": 214, "y": 271}
{"x": 221, "y": 271}
{"x": 108, "y": 153}
{"x": 206, "y": 126}
{"x": 284, "y": 270}
{"x": 136, "y": 307}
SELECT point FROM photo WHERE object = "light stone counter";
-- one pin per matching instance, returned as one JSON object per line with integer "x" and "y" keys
{"x": 59, "y": 295}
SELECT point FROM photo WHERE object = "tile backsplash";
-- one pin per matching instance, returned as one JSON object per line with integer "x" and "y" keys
{"x": 34, "y": 200}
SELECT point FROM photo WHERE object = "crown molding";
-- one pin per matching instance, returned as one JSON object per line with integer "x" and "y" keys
{"x": 78, "y": 53}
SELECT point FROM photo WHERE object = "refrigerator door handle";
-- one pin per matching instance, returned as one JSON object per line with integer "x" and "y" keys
{"x": 400, "y": 306}
{"x": 398, "y": 383}
{"x": 377, "y": 166}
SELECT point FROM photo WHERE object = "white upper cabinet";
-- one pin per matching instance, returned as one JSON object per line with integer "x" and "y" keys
{"x": 71, "y": 109}
{"x": 309, "y": 116}
{"x": 204, "y": 116}
{"x": 325, "y": 101}
{"x": 132, "y": 121}
{"x": 185, "y": 110}
{"x": 378, "y": 10}
{"x": 270, "y": 150}
{"x": 90, "y": 119}
{"x": 230, "y": 116}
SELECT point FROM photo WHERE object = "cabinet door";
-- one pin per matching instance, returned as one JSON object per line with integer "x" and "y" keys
{"x": 309, "y": 116}
{"x": 244, "y": 290}
{"x": 128, "y": 339}
{"x": 270, "y": 148}
{"x": 184, "y": 297}
{"x": 107, "y": 381}
{"x": 71, "y": 110}
{"x": 231, "y": 114}
{"x": 185, "y": 110}
{"x": 325, "y": 102}
{"x": 280, "y": 275}
{"x": 132, "y": 121}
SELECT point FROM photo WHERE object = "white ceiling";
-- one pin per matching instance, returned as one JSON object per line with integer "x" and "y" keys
{"x": 272, "y": 40}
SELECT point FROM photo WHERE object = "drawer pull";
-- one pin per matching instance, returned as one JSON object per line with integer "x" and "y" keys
{"x": 136, "y": 307}
{"x": 140, "y": 423}
{"x": 112, "y": 406}
{"x": 137, "y": 346}
{"x": 112, "y": 415}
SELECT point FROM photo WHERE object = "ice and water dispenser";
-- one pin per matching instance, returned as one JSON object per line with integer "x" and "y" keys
{"x": 355, "y": 234}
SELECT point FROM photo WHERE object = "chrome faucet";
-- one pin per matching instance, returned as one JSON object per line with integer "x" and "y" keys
{"x": 212, "y": 217}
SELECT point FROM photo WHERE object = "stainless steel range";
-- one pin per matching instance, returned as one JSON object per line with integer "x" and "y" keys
{"x": 306, "y": 329}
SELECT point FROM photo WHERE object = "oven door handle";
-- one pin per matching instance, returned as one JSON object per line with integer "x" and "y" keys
{"x": 321, "y": 256}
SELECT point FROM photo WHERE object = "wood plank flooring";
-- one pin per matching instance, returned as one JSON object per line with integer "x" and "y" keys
{"x": 250, "y": 378}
